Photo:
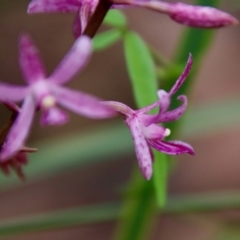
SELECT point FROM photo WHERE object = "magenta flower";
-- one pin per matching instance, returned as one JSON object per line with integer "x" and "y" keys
{"x": 44, "y": 92}
{"x": 16, "y": 161}
{"x": 145, "y": 131}
{"x": 190, "y": 15}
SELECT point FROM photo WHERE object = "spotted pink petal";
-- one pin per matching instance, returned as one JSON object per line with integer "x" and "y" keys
{"x": 200, "y": 16}
{"x": 9, "y": 92}
{"x": 53, "y": 116}
{"x": 20, "y": 129}
{"x": 82, "y": 103}
{"x": 29, "y": 60}
{"x": 37, "y": 6}
{"x": 171, "y": 147}
{"x": 190, "y": 15}
{"x": 183, "y": 76}
{"x": 73, "y": 62}
{"x": 173, "y": 114}
{"x": 141, "y": 147}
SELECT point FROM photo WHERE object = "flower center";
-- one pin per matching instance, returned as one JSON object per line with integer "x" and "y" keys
{"x": 48, "y": 101}
{"x": 167, "y": 132}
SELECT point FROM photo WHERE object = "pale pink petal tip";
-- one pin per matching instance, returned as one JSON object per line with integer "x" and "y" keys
{"x": 147, "y": 172}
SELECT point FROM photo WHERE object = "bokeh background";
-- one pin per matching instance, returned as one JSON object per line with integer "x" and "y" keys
{"x": 215, "y": 167}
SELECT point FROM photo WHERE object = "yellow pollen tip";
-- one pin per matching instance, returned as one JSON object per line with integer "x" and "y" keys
{"x": 48, "y": 102}
{"x": 167, "y": 132}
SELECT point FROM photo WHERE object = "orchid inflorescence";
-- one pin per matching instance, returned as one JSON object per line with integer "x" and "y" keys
{"x": 43, "y": 93}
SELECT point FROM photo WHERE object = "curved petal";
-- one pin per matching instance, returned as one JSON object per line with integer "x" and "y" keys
{"x": 183, "y": 76}
{"x": 174, "y": 114}
{"x": 9, "y": 93}
{"x": 164, "y": 103}
{"x": 53, "y": 116}
{"x": 141, "y": 147}
{"x": 29, "y": 60}
{"x": 171, "y": 147}
{"x": 20, "y": 129}
{"x": 119, "y": 107}
{"x": 73, "y": 62}
{"x": 12, "y": 107}
{"x": 77, "y": 28}
{"x": 82, "y": 103}
{"x": 148, "y": 108}
{"x": 37, "y": 6}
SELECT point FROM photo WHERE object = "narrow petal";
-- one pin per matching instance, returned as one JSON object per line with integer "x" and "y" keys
{"x": 182, "y": 77}
{"x": 164, "y": 103}
{"x": 141, "y": 147}
{"x": 119, "y": 107}
{"x": 189, "y": 15}
{"x": 148, "y": 108}
{"x": 13, "y": 93}
{"x": 12, "y": 107}
{"x": 85, "y": 14}
{"x": 82, "y": 103}
{"x": 53, "y": 116}
{"x": 171, "y": 147}
{"x": 29, "y": 60}
{"x": 20, "y": 129}
{"x": 200, "y": 16}
{"x": 37, "y": 6}
{"x": 174, "y": 114}
{"x": 77, "y": 28}
{"x": 73, "y": 62}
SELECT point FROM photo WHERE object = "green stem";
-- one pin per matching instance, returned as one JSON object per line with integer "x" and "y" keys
{"x": 97, "y": 18}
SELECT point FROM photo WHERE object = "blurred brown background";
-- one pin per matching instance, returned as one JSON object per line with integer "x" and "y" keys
{"x": 216, "y": 165}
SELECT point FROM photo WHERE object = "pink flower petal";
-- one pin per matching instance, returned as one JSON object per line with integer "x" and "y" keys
{"x": 171, "y": 147}
{"x": 77, "y": 28}
{"x": 82, "y": 103}
{"x": 119, "y": 107}
{"x": 141, "y": 147}
{"x": 73, "y": 62}
{"x": 29, "y": 60}
{"x": 174, "y": 114}
{"x": 37, "y": 6}
{"x": 9, "y": 92}
{"x": 200, "y": 16}
{"x": 183, "y": 76}
{"x": 53, "y": 116}
{"x": 154, "y": 131}
{"x": 163, "y": 102}
{"x": 20, "y": 129}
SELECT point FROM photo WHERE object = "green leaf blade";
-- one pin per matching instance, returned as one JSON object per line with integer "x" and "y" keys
{"x": 106, "y": 39}
{"x": 115, "y": 18}
{"x": 141, "y": 69}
